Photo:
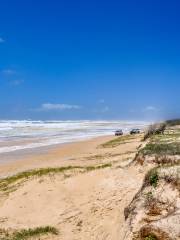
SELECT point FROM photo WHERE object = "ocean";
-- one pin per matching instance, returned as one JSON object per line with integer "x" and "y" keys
{"x": 17, "y": 135}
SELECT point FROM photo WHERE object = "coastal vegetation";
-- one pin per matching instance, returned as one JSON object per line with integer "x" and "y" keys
{"x": 108, "y": 155}
{"x": 153, "y": 178}
{"x": 161, "y": 149}
{"x": 154, "y": 129}
{"x": 26, "y": 234}
{"x": 8, "y": 182}
{"x": 150, "y": 237}
{"x": 152, "y": 213}
{"x": 173, "y": 122}
{"x": 117, "y": 141}
{"x": 162, "y": 141}
{"x": 153, "y": 210}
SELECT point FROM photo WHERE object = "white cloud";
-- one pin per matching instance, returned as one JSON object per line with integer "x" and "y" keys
{"x": 150, "y": 108}
{"x": 8, "y": 72}
{"x": 1, "y": 40}
{"x": 101, "y": 101}
{"x": 105, "y": 109}
{"x": 101, "y": 110}
{"x": 58, "y": 107}
{"x": 16, "y": 82}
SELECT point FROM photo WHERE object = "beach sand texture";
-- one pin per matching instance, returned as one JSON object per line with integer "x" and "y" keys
{"x": 85, "y": 203}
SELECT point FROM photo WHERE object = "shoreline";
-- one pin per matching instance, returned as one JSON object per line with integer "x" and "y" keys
{"x": 20, "y": 149}
{"x": 103, "y": 188}
{"x": 72, "y": 188}
{"x": 43, "y": 156}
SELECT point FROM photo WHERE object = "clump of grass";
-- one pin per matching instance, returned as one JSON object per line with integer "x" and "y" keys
{"x": 28, "y": 233}
{"x": 152, "y": 204}
{"x": 161, "y": 149}
{"x": 166, "y": 137}
{"x": 149, "y": 199}
{"x": 150, "y": 237}
{"x": 151, "y": 178}
{"x": 149, "y": 195}
{"x": 97, "y": 157}
{"x": 91, "y": 168}
{"x": 117, "y": 141}
{"x": 6, "y": 182}
{"x": 165, "y": 160}
{"x": 173, "y": 178}
{"x": 149, "y": 232}
{"x": 107, "y": 155}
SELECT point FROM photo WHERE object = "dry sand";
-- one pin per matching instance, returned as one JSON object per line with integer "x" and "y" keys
{"x": 87, "y": 205}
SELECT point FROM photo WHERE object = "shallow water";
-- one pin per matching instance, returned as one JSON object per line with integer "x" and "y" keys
{"x": 18, "y": 135}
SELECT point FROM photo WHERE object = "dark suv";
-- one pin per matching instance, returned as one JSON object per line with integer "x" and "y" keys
{"x": 118, "y": 132}
{"x": 135, "y": 131}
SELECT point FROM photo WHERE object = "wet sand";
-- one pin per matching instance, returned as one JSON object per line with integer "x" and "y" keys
{"x": 55, "y": 155}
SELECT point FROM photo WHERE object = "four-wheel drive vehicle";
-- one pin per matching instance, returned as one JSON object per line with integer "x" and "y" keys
{"x": 135, "y": 131}
{"x": 118, "y": 132}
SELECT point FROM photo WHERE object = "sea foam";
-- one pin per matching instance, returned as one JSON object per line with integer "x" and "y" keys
{"x": 18, "y": 135}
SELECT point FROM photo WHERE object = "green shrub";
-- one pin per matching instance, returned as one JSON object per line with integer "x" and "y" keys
{"x": 161, "y": 149}
{"x": 28, "y": 233}
{"x": 150, "y": 237}
{"x": 173, "y": 122}
{"x": 153, "y": 178}
{"x": 155, "y": 129}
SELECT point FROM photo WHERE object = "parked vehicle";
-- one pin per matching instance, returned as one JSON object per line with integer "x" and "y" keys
{"x": 135, "y": 131}
{"x": 118, "y": 132}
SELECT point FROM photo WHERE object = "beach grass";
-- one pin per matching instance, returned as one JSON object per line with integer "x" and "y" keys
{"x": 91, "y": 168}
{"x": 164, "y": 144}
{"x": 150, "y": 237}
{"x": 117, "y": 141}
{"x": 168, "y": 136}
{"x": 107, "y": 155}
{"x": 27, "y": 233}
{"x": 161, "y": 149}
{"x": 5, "y": 183}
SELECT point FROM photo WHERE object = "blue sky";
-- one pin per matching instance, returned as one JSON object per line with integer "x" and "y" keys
{"x": 89, "y": 59}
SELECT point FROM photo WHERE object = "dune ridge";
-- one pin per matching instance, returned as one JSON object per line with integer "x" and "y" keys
{"x": 112, "y": 188}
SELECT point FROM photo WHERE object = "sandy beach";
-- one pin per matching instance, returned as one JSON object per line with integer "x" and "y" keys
{"x": 52, "y": 156}
{"x": 85, "y": 203}
{"x": 89, "y": 120}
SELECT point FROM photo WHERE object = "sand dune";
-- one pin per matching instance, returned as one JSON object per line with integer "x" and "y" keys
{"x": 80, "y": 204}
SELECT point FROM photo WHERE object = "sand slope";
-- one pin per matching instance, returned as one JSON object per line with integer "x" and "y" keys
{"x": 87, "y": 205}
